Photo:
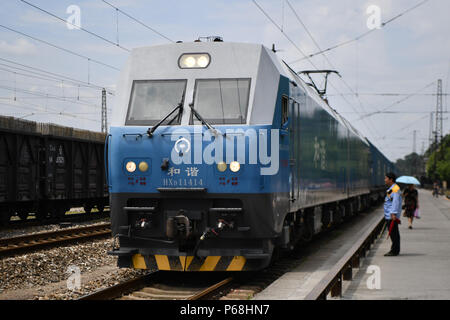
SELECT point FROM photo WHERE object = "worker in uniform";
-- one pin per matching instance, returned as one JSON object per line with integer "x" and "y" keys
{"x": 392, "y": 212}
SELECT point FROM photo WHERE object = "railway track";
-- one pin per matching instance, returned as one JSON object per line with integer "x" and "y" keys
{"x": 73, "y": 217}
{"x": 25, "y": 243}
{"x": 241, "y": 286}
{"x": 163, "y": 286}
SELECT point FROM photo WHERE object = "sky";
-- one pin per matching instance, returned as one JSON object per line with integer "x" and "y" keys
{"x": 395, "y": 68}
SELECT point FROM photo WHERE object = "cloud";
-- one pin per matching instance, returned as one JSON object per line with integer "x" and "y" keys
{"x": 18, "y": 47}
{"x": 36, "y": 17}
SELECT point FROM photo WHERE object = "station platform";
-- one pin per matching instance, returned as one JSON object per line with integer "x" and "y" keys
{"x": 421, "y": 271}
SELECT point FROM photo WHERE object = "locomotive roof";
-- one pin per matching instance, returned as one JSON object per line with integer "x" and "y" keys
{"x": 228, "y": 60}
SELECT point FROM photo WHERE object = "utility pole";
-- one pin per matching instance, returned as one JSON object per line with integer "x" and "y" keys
{"x": 104, "y": 114}
{"x": 439, "y": 119}
{"x": 414, "y": 141}
{"x": 430, "y": 134}
{"x": 439, "y": 113}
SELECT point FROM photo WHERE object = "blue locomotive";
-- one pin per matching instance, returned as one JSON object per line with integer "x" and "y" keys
{"x": 219, "y": 155}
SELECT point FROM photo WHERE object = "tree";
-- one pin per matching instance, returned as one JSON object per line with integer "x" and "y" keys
{"x": 412, "y": 165}
{"x": 438, "y": 165}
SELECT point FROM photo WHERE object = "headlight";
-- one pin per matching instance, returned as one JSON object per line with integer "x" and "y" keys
{"x": 143, "y": 166}
{"x": 130, "y": 166}
{"x": 221, "y": 166}
{"x": 235, "y": 166}
{"x": 194, "y": 60}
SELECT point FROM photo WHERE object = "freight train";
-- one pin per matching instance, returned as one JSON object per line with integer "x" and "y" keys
{"x": 219, "y": 155}
{"x": 46, "y": 169}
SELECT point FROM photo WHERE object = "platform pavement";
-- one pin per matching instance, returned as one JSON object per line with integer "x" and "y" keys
{"x": 422, "y": 270}
{"x": 317, "y": 258}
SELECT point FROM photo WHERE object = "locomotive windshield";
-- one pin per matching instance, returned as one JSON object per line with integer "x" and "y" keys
{"x": 152, "y": 100}
{"x": 222, "y": 101}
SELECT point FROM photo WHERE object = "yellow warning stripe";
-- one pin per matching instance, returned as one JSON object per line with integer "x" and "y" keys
{"x": 210, "y": 263}
{"x": 139, "y": 262}
{"x": 162, "y": 261}
{"x": 237, "y": 264}
{"x": 186, "y": 261}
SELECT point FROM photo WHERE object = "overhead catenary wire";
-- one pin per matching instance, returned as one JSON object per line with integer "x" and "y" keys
{"x": 44, "y": 79}
{"x": 369, "y": 126}
{"x": 60, "y": 48}
{"x": 43, "y": 111}
{"x": 361, "y": 35}
{"x": 76, "y": 26}
{"x": 53, "y": 76}
{"x": 323, "y": 54}
{"x": 396, "y": 102}
{"x": 138, "y": 21}
{"x": 302, "y": 52}
{"x": 50, "y": 96}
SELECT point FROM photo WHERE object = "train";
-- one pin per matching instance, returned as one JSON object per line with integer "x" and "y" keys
{"x": 46, "y": 169}
{"x": 220, "y": 156}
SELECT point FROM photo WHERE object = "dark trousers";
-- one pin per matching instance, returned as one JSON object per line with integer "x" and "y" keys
{"x": 395, "y": 237}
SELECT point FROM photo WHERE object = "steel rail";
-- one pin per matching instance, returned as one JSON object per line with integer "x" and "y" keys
{"x": 343, "y": 269}
{"x": 143, "y": 283}
{"x": 39, "y": 240}
{"x": 119, "y": 289}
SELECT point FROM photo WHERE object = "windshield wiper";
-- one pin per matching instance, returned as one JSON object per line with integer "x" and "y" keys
{"x": 178, "y": 107}
{"x": 203, "y": 121}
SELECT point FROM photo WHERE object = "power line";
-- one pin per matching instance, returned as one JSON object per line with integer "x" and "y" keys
{"x": 403, "y": 128}
{"x": 40, "y": 78}
{"x": 362, "y": 35}
{"x": 318, "y": 46}
{"x": 60, "y": 48}
{"x": 396, "y": 102}
{"x": 57, "y": 77}
{"x": 72, "y": 115}
{"x": 78, "y": 27}
{"x": 50, "y": 96}
{"x": 297, "y": 47}
{"x": 324, "y": 55}
{"x": 138, "y": 21}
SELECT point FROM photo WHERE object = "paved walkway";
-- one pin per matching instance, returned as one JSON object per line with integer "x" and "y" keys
{"x": 422, "y": 270}
{"x": 318, "y": 258}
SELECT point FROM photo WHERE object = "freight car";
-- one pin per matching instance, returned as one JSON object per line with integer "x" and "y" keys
{"x": 220, "y": 155}
{"x": 47, "y": 169}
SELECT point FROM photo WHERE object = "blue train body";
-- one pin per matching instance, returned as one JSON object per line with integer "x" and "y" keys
{"x": 249, "y": 161}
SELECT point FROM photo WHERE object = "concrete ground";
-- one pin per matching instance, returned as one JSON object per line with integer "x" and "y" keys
{"x": 422, "y": 270}
{"x": 318, "y": 258}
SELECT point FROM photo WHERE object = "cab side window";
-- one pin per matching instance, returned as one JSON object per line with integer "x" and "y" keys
{"x": 284, "y": 109}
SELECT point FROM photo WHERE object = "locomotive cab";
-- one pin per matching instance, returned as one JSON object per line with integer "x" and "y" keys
{"x": 194, "y": 158}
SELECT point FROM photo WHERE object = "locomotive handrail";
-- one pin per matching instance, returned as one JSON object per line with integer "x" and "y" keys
{"x": 138, "y": 135}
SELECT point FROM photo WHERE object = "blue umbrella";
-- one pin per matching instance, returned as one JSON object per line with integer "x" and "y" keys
{"x": 408, "y": 180}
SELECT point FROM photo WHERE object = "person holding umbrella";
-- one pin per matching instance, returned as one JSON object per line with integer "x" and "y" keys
{"x": 411, "y": 203}
{"x": 392, "y": 211}
{"x": 411, "y": 197}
